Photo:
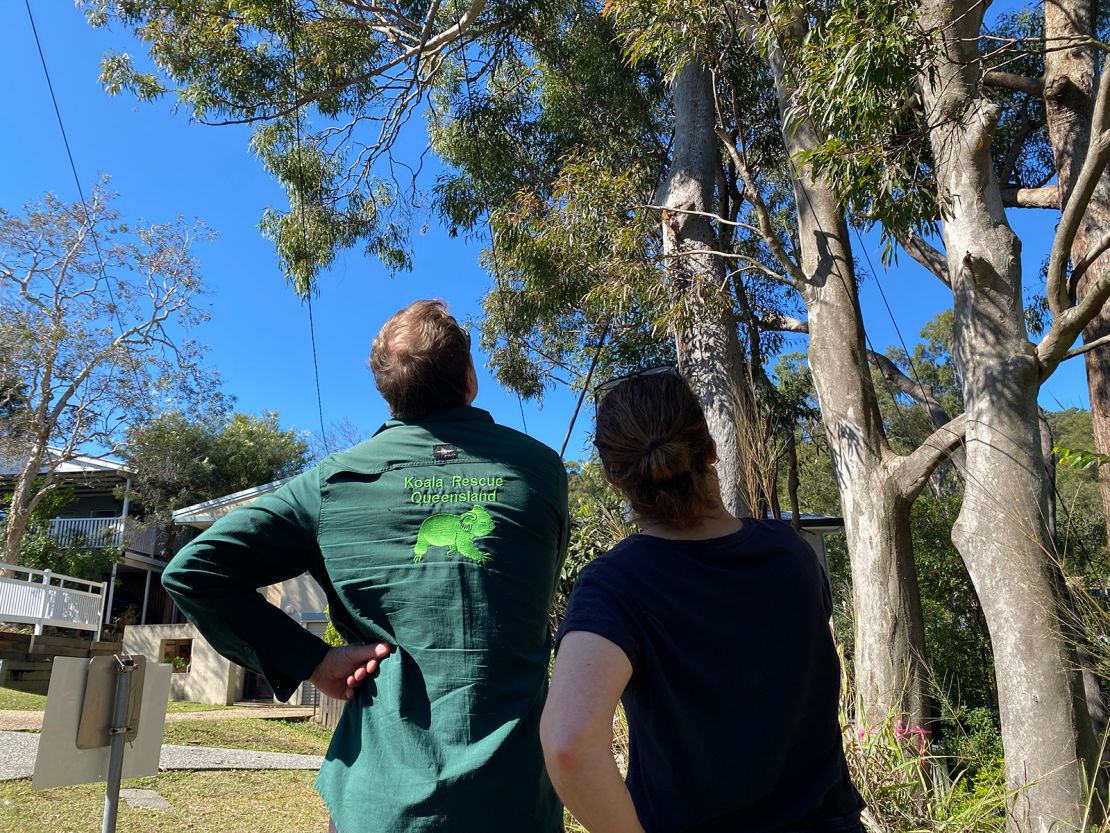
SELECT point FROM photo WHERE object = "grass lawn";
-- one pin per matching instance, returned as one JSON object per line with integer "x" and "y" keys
{"x": 298, "y": 737}
{"x": 21, "y": 701}
{"x": 186, "y": 706}
{"x": 24, "y": 702}
{"x": 203, "y": 802}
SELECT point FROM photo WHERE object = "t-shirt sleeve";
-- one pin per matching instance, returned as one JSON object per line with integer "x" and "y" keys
{"x": 596, "y": 606}
{"x": 809, "y": 553}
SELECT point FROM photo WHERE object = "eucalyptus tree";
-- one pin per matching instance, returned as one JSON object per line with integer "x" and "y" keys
{"x": 328, "y": 86}
{"x": 577, "y": 241}
{"x": 1068, "y": 83}
{"x": 94, "y": 328}
{"x": 913, "y": 146}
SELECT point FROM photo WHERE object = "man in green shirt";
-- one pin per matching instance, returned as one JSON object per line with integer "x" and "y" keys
{"x": 438, "y": 542}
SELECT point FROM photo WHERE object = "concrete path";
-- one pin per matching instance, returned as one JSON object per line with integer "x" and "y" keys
{"x": 31, "y": 721}
{"x": 18, "y": 750}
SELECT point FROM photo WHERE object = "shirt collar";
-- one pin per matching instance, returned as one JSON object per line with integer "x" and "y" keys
{"x": 458, "y": 413}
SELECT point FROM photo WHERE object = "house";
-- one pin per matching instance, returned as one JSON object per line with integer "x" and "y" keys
{"x": 815, "y": 529}
{"x": 201, "y": 675}
{"x": 101, "y": 514}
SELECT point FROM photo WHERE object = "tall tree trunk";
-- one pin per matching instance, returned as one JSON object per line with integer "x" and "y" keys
{"x": 22, "y": 503}
{"x": 1001, "y": 531}
{"x": 889, "y": 633}
{"x": 1071, "y": 79}
{"x": 706, "y": 338}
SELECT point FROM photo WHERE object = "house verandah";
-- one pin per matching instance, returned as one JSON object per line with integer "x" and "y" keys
{"x": 101, "y": 515}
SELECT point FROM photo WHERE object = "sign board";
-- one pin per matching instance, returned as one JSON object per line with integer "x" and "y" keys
{"x": 60, "y": 761}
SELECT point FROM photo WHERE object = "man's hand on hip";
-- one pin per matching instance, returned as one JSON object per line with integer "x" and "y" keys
{"x": 343, "y": 670}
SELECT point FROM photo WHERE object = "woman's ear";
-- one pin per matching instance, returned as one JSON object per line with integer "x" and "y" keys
{"x": 712, "y": 458}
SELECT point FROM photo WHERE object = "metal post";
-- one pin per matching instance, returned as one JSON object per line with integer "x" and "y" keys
{"x": 45, "y": 601}
{"x": 122, "y": 537}
{"x": 146, "y": 596}
{"x": 100, "y": 615}
{"x": 117, "y": 735}
{"x": 111, "y": 595}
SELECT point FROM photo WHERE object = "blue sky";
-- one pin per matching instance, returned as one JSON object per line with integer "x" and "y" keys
{"x": 163, "y": 166}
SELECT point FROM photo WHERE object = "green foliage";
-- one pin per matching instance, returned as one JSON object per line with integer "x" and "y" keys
{"x": 320, "y": 223}
{"x": 909, "y": 785}
{"x": 39, "y": 551}
{"x": 249, "y": 451}
{"x": 331, "y": 636}
{"x": 178, "y": 461}
{"x": 1080, "y": 522}
{"x": 328, "y": 87}
{"x": 855, "y": 70}
{"x": 560, "y": 150}
{"x": 598, "y": 522}
{"x": 957, "y": 642}
{"x": 1080, "y": 458}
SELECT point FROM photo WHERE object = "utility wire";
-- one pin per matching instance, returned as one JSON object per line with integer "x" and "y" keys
{"x": 890, "y": 313}
{"x": 80, "y": 187}
{"x": 494, "y": 263}
{"x": 304, "y": 233}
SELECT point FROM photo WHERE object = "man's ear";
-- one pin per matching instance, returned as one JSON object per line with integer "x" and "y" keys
{"x": 471, "y": 384}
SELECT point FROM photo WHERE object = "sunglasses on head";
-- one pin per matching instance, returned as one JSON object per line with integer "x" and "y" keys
{"x": 608, "y": 385}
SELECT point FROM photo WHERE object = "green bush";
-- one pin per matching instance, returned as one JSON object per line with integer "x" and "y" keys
{"x": 39, "y": 551}
{"x": 331, "y": 636}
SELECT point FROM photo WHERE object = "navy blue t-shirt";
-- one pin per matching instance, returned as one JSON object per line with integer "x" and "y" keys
{"x": 732, "y": 705}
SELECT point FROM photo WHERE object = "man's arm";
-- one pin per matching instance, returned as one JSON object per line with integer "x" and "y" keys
{"x": 214, "y": 581}
{"x": 577, "y": 732}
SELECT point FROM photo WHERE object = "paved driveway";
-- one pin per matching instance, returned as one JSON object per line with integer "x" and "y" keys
{"x": 18, "y": 750}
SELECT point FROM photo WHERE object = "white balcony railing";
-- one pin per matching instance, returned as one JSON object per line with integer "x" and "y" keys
{"x": 93, "y": 532}
{"x": 106, "y": 532}
{"x": 40, "y": 597}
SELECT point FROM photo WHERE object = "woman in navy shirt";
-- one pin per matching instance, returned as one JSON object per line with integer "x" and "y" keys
{"x": 714, "y": 634}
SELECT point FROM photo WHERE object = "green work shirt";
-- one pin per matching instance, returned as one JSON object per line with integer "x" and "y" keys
{"x": 444, "y": 537}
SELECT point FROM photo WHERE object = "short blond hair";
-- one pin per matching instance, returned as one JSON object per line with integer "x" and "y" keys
{"x": 420, "y": 360}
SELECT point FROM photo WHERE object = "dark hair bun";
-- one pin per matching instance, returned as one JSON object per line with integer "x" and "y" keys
{"x": 663, "y": 461}
{"x": 655, "y": 447}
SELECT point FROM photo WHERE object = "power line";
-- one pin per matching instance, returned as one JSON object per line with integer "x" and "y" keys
{"x": 304, "y": 234}
{"x": 77, "y": 182}
{"x": 890, "y": 313}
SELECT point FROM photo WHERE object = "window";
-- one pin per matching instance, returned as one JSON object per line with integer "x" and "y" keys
{"x": 178, "y": 653}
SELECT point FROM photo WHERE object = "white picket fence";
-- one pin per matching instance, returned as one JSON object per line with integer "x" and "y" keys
{"x": 43, "y": 597}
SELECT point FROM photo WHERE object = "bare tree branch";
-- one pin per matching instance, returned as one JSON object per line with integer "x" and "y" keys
{"x": 1098, "y": 154}
{"x": 915, "y": 468}
{"x": 1047, "y": 196}
{"x": 1015, "y": 82}
{"x": 1087, "y": 348}
{"x": 1080, "y": 267}
{"x": 783, "y": 324}
{"x": 762, "y": 213}
{"x": 917, "y": 390}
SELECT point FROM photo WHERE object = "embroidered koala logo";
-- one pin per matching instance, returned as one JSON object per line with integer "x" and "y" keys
{"x": 456, "y": 532}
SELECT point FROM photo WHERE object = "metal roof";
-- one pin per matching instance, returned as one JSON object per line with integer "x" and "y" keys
{"x": 203, "y": 515}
